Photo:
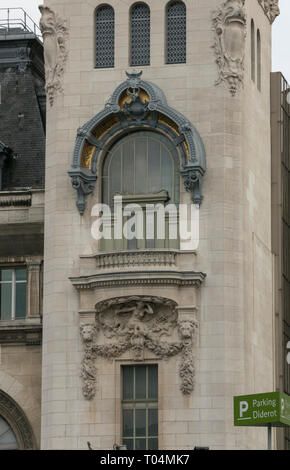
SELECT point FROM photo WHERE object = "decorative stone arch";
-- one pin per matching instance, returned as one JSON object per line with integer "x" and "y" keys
{"x": 11, "y": 412}
{"x": 136, "y": 104}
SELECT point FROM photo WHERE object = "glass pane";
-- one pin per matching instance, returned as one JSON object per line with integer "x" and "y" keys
{"x": 105, "y": 37}
{"x": 21, "y": 275}
{"x": 153, "y": 422}
{"x": 128, "y": 167}
{"x": 141, "y": 166}
{"x": 6, "y": 301}
{"x": 140, "y": 35}
{"x": 5, "y": 275}
{"x": 167, "y": 171}
{"x": 140, "y": 373}
{"x": 153, "y": 382}
{"x": 115, "y": 173}
{"x": 129, "y": 443}
{"x": 140, "y": 444}
{"x": 128, "y": 383}
{"x": 20, "y": 311}
{"x": 128, "y": 423}
{"x": 140, "y": 423}
{"x": 152, "y": 444}
{"x": 154, "y": 166}
{"x": 7, "y": 437}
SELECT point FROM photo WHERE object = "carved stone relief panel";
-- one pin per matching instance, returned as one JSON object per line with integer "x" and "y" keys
{"x": 271, "y": 8}
{"x": 136, "y": 324}
{"x": 54, "y": 32}
{"x": 229, "y": 25}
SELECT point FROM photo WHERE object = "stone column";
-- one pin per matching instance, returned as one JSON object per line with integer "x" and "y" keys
{"x": 33, "y": 288}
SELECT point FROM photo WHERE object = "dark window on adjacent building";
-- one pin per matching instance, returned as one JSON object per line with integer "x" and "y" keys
{"x": 140, "y": 35}
{"x": 140, "y": 407}
{"x": 12, "y": 294}
{"x": 105, "y": 37}
{"x": 176, "y": 33}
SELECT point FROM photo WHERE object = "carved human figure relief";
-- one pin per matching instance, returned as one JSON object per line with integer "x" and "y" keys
{"x": 229, "y": 25}
{"x": 135, "y": 324}
{"x": 54, "y": 32}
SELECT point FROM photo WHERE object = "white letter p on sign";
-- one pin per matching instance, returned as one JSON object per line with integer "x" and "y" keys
{"x": 244, "y": 406}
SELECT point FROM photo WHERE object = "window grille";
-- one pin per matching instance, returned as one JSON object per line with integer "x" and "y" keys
{"x": 176, "y": 33}
{"x": 140, "y": 35}
{"x": 105, "y": 37}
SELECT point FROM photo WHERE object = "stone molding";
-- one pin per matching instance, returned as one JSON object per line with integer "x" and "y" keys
{"x": 119, "y": 259}
{"x": 139, "y": 278}
{"x": 16, "y": 418}
{"x": 229, "y": 26}
{"x": 55, "y": 33}
{"x": 136, "y": 324}
{"x": 21, "y": 332}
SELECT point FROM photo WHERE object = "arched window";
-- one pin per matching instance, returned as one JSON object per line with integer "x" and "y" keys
{"x": 253, "y": 51}
{"x": 176, "y": 33}
{"x": 105, "y": 37}
{"x": 8, "y": 439}
{"x": 259, "y": 61}
{"x": 140, "y": 35}
{"x": 143, "y": 168}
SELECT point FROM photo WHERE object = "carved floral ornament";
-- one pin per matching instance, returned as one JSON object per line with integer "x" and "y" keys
{"x": 271, "y": 8}
{"x": 55, "y": 33}
{"x": 229, "y": 25}
{"x": 137, "y": 324}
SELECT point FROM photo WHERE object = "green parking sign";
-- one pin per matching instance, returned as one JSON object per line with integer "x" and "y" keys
{"x": 266, "y": 409}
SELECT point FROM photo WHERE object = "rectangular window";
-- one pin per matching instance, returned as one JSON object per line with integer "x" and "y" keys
{"x": 12, "y": 293}
{"x": 140, "y": 407}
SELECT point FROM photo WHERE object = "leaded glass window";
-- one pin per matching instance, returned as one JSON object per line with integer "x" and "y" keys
{"x": 176, "y": 33}
{"x": 140, "y": 407}
{"x": 7, "y": 437}
{"x": 12, "y": 294}
{"x": 140, "y": 34}
{"x": 105, "y": 37}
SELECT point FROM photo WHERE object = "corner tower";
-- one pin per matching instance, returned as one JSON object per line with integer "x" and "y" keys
{"x": 146, "y": 344}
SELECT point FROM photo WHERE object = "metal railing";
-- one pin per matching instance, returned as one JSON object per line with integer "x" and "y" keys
{"x": 17, "y": 21}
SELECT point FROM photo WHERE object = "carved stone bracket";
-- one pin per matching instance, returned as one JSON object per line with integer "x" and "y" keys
{"x": 55, "y": 33}
{"x": 271, "y": 9}
{"x": 229, "y": 25}
{"x": 137, "y": 324}
{"x": 135, "y": 104}
{"x": 192, "y": 177}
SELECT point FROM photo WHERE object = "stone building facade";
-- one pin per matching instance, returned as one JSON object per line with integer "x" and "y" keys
{"x": 145, "y": 343}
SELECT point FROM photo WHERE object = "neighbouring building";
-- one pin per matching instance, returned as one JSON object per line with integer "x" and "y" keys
{"x": 134, "y": 339}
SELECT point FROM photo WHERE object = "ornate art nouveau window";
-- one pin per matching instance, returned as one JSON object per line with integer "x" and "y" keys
{"x": 12, "y": 294}
{"x": 105, "y": 37}
{"x": 176, "y": 32}
{"x": 143, "y": 168}
{"x": 140, "y": 34}
{"x": 7, "y": 437}
{"x": 140, "y": 407}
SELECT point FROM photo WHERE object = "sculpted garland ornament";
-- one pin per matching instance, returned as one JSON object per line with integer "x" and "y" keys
{"x": 136, "y": 324}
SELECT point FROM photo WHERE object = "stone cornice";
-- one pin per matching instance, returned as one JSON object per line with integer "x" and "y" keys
{"x": 270, "y": 8}
{"x": 137, "y": 278}
{"x": 21, "y": 333}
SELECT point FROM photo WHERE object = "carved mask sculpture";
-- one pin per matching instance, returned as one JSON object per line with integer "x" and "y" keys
{"x": 229, "y": 23}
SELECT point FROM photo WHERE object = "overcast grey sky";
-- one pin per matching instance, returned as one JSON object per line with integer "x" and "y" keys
{"x": 281, "y": 31}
